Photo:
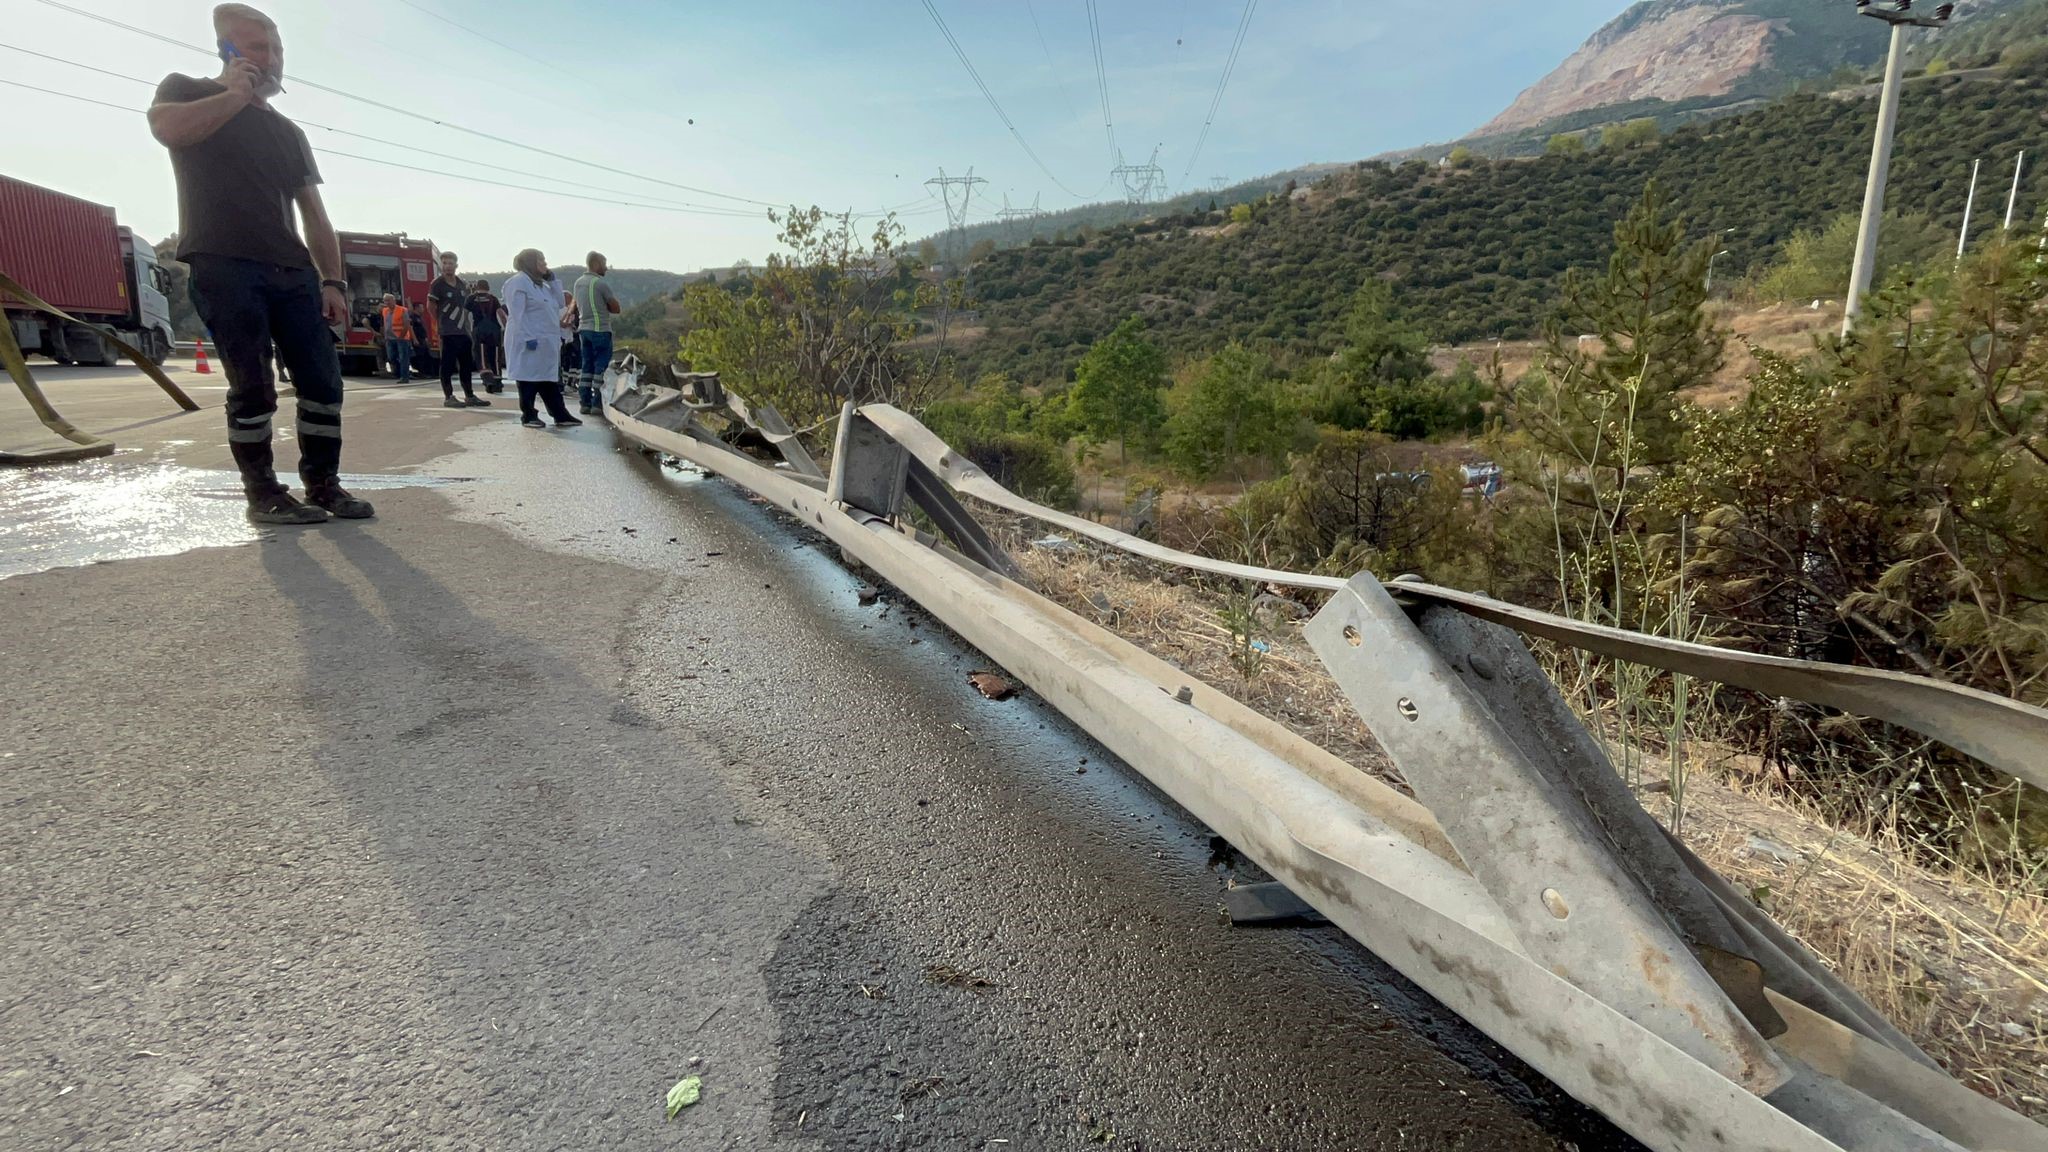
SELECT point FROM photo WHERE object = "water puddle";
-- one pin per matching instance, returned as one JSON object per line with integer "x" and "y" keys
{"x": 124, "y": 509}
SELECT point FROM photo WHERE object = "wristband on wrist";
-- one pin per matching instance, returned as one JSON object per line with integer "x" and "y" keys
{"x": 340, "y": 286}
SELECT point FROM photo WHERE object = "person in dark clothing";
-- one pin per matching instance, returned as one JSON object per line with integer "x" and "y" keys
{"x": 489, "y": 317}
{"x": 240, "y": 168}
{"x": 449, "y": 298}
{"x": 422, "y": 336}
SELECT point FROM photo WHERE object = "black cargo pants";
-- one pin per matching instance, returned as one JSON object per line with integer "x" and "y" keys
{"x": 249, "y": 306}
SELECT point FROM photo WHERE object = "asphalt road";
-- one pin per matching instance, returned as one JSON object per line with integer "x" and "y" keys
{"x": 479, "y": 824}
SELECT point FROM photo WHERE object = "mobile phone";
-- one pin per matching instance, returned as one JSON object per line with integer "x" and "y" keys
{"x": 228, "y": 52}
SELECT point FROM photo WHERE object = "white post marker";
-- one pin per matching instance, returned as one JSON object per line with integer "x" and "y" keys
{"x": 1969, "y": 202}
{"x": 2012, "y": 198}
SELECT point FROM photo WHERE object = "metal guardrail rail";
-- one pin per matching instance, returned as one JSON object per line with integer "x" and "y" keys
{"x": 1523, "y": 886}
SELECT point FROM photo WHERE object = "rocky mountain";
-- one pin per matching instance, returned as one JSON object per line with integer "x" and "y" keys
{"x": 1704, "y": 51}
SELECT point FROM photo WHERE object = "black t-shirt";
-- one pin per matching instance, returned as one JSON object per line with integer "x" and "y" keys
{"x": 235, "y": 187}
{"x": 451, "y": 307}
{"x": 484, "y": 307}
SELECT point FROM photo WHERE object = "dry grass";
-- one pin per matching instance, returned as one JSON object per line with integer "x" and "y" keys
{"x": 1957, "y": 961}
{"x": 1788, "y": 329}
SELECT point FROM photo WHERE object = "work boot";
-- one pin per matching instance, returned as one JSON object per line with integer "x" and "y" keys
{"x": 475, "y": 401}
{"x": 284, "y": 508}
{"x": 329, "y": 494}
{"x": 451, "y": 402}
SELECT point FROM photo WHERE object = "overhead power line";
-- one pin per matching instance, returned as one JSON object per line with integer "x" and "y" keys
{"x": 707, "y": 209}
{"x": 1043, "y": 47}
{"x": 1244, "y": 24}
{"x": 402, "y": 111}
{"x": 991, "y": 97}
{"x": 1102, "y": 80}
{"x": 416, "y": 168}
{"x": 488, "y": 39}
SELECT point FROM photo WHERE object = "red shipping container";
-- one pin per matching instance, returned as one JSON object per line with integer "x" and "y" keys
{"x": 61, "y": 248}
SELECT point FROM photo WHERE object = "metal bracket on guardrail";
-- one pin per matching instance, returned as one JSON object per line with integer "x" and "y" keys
{"x": 869, "y": 470}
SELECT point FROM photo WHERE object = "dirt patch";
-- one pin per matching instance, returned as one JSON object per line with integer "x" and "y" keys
{"x": 1786, "y": 329}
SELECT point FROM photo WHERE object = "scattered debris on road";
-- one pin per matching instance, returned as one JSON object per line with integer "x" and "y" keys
{"x": 868, "y": 593}
{"x": 953, "y": 977}
{"x": 684, "y": 1094}
{"x": 991, "y": 685}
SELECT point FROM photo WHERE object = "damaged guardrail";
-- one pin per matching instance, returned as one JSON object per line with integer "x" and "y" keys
{"x": 1522, "y": 886}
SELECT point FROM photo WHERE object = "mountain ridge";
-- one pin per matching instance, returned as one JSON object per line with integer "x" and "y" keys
{"x": 1681, "y": 52}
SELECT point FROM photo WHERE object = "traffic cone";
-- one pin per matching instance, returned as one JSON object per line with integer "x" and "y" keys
{"x": 201, "y": 366}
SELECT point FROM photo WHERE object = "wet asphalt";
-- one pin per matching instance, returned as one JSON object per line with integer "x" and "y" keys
{"x": 479, "y": 824}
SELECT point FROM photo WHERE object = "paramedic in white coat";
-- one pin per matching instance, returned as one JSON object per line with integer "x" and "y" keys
{"x": 533, "y": 339}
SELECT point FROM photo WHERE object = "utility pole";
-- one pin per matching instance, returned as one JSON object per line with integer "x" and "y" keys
{"x": 1900, "y": 16}
{"x": 1969, "y": 202}
{"x": 1216, "y": 183}
{"x": 2013, "y": 197}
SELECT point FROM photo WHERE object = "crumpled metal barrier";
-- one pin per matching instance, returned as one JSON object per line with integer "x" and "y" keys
{"x": 2003, "y": 733}
{"x": 1375, "y": 861}
{"x": 86, "y": 445}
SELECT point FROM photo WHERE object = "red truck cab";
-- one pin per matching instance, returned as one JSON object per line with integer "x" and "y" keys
{"x": 379, "y": 263}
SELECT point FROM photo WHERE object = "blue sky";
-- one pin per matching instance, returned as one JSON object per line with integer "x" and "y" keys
{"x": 848, "y": 105}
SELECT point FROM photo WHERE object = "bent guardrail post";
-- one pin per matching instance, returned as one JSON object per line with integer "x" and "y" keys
{"x": 1575, "y": 909}
{"x": 872, "y": 472}
{"x": 1497, "y": 667}
{"x": 763, "y": 418}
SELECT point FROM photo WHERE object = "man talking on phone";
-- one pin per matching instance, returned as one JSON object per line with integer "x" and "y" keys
{"x": 241, "y": 168}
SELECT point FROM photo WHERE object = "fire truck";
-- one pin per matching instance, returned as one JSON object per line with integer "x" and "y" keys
{"x": 378, "y": 263}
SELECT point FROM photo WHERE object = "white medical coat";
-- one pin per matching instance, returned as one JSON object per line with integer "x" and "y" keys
{"x": 532, "y": 312}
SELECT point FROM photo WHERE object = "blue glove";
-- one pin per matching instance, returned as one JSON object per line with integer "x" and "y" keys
{"x": 532, "y": 344}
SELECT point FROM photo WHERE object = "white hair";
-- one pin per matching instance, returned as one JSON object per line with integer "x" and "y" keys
{"x": 226, "y": 16}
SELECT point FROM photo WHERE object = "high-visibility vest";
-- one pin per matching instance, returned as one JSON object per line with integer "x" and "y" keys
{"x": 397, "y": 322}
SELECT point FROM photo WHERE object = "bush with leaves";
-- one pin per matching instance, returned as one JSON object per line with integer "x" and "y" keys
{"x": 1227, "y": 408}
{"x": 1116, "y": 388}
{"x": 818, "y": 326}
{"x": 1885, "y": 508}
{"x": 1815, "y": 262}
{"x": 1350, "y": 504}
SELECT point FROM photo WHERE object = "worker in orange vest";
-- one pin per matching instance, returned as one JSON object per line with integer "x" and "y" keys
{"x": 398, "y": 337}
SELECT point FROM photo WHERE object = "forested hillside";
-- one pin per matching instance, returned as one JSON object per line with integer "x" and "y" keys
{"x": 1476, "y": 251}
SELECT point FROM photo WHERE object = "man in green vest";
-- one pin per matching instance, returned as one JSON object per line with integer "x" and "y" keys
{"x": 595, "y": 305}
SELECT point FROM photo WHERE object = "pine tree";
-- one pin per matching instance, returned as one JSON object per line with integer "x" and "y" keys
{"x": 1626, "y": 346}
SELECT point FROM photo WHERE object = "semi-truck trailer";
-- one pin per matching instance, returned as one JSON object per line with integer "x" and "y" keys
{"x": 73, "y": 254}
